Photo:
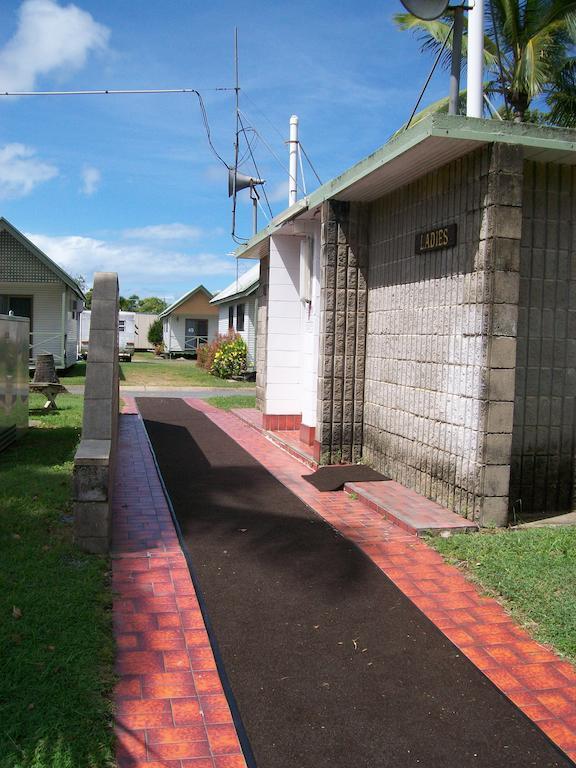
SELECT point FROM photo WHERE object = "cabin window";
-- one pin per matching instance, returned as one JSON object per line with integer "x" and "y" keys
{"x": 121, "y": 325}
{"x": 231, "y": 318}
{"x": 240, "y": 317}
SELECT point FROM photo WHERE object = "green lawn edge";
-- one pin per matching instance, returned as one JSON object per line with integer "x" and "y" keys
{"x": 227, "y": 402}
{"x": 56, "y": 640}
{"x": 531, "y": 572}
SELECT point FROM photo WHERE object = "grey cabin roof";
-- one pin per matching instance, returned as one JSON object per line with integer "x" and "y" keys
{"x": 245, "y": 285}
{"x": 41, "y": 256}
{"x": 184, "y": 298}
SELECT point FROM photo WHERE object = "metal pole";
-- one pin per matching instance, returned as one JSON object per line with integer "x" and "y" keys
{"x": 293, "y": 168}
{"x": 474, "y": 95}
{"x": 254, "y": 196}
{"x": 456, "y": 61}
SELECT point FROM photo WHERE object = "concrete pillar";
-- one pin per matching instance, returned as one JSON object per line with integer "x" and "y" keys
{"x": 95, "y": 458}
{"x": 498, "y": 258}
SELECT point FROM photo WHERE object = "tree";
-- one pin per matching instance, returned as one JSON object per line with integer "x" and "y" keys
{"x": 152, "y": 304}
{"x": 130, "y": 304}
{"x": 88, "y": 301}
{"x": 527, "y": 47}
{"x": 155, "y": 333}
{"x": 80, "y": 281}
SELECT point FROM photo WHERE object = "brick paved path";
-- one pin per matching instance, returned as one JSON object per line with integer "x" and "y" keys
{"x": 171, "y": 708}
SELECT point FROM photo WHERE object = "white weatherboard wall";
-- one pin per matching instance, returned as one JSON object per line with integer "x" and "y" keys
{"x": 284, "y": 342}
{"x": 174, "y": 331}
{"x": 46, "y": 328}
{"x": 249, "y": 332}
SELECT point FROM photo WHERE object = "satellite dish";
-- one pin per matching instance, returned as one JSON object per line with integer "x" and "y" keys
{"x": 428, "y": 10}
{"x": 242, "y": 182}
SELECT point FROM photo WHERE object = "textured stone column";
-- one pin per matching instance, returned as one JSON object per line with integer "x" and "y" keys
{"x": 344, "y": 256}
{"x": 498, "y": 263}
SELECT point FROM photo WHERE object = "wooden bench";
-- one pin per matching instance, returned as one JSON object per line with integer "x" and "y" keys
{"x": 50, "y": 392}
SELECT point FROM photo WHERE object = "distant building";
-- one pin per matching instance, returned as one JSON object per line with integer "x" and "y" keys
{"x": 238, "y": 305}
{"x": 189, "y": 322}
{"x": 33, "y": 286}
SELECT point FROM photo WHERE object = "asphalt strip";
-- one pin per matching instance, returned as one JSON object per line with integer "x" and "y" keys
{"x": 329, "y": 664}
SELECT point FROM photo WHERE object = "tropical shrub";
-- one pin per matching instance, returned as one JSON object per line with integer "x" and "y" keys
{"x": 205, "y": 353}
{"x": 230, "y": 358}
{"x": 155, "y": 332}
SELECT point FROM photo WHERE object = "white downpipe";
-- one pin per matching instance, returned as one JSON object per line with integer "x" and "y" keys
{"x": 293, "y": 167}
{"x": 475, "y": 96}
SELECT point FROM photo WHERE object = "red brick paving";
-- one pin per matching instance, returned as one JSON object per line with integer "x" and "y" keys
{"x": 540, "y": 683}
{"x": 171, "y": 711}
{"x": 408, "y": 509}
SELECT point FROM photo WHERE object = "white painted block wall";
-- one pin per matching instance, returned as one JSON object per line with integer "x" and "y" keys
{"x": 283, "y": 374}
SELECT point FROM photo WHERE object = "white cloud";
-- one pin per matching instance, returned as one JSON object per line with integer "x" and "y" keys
{"x": 174, "y": 231}
{"x": 21, "y": 171}
{"x": 50, "y": 38}
{"x": 144, "y": 269}
{"x": 91, "y": 178}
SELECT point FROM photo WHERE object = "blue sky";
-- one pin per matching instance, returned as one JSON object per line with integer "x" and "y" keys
{"x": 128, "y": 183}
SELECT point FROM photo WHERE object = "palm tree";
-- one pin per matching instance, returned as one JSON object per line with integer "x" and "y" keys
{"x": 527, "y": 47}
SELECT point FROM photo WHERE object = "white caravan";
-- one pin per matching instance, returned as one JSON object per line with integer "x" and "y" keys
{"x": 126, "y": 334}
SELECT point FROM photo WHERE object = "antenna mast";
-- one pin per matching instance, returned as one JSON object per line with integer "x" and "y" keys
{"x": 237, "y": 139}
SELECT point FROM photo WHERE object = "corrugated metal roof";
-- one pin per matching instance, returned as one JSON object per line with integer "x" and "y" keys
{"x": 428, "y": 145}
{"x": 240, "y": 287}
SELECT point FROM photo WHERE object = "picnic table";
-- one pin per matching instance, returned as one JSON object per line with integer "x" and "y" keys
{"x": 50, "y": 392}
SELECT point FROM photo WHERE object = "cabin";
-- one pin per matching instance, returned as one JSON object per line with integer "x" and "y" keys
{"x": 33, "y": 286}
{"x": 189, "y": 322}
{"x": 417, "y": 313}
{"x": 237, "y": 306}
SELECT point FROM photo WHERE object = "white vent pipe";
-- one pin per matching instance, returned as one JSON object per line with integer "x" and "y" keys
{"x": 293, "y": 167}
{"x": 475, "y": 95}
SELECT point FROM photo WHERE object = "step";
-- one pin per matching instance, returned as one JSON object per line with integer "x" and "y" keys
{"x": 294, "y": 447}
{"x": 412, "y": 512}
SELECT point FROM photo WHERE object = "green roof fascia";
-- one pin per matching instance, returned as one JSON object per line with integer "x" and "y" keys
{"x": 449, "y": 126}
{"x": 235, "y": 296}
{"x": 300, "y": 206}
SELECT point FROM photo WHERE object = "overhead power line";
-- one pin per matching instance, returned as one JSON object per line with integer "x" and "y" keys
{"x": 135, "y": 91}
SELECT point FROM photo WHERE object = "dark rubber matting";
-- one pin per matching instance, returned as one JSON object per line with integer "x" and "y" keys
{"x": 333, "y": 478}
{"x": 330, "y": 664}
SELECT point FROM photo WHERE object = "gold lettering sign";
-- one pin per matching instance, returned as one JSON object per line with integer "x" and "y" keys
{"x": 437, "y": 238}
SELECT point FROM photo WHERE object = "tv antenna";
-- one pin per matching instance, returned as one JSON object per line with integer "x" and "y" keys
{"x": 238, "y": 181}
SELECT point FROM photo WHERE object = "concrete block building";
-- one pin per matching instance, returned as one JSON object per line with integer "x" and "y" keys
{"x": 418, "y": 312}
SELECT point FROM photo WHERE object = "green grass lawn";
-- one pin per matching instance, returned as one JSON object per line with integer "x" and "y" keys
{"x": 532, "y": 572}
{"x": 232, "y": 401}
{"x": 56, "y": 646}
{"x": 146, "y": 369}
